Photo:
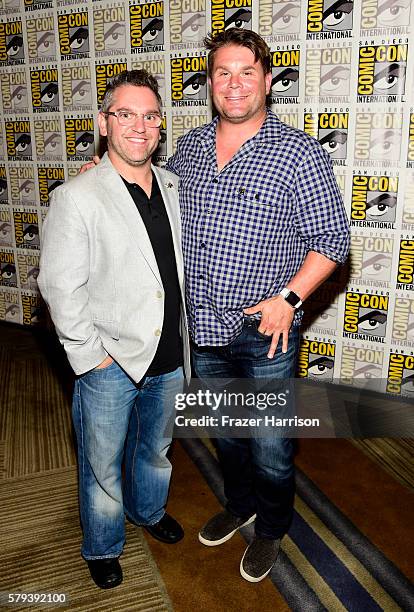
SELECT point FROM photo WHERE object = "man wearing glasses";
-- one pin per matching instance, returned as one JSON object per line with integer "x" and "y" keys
{"x": 111, "y": 273}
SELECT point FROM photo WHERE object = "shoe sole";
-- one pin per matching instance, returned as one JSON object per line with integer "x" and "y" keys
{"x": 226, "y": 537}
{"x": 252, "y": 578}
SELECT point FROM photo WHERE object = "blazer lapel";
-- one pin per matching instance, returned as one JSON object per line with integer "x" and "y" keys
{"x": 170, "y": 196}
{"x": 115, "y": 192}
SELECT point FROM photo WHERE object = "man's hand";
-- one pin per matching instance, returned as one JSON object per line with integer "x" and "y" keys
{"x": 105, "y": 363}
{"x": 277, "y": 317}
{"x": 95, "y": 161}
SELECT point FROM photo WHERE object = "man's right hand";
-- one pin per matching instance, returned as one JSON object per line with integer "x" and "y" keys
{"x": 105, "y": 363}
{"x": 95, "y": 161}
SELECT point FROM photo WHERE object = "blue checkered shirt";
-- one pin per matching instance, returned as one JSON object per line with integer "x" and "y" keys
{"x": 248, "y": 228}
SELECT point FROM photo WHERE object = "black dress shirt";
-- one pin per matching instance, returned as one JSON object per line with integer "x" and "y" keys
{"x": 169, "y": 355}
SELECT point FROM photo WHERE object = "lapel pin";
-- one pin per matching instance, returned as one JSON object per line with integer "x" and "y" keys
{"x": 170, "y": 185}
{"x": 242, "y": 191}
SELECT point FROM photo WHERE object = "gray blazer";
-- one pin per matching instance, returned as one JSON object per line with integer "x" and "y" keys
{"x": 98, "y": 272}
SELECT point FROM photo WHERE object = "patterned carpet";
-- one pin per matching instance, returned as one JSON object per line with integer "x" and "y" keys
{"x": 40, "y": 549}
{"x": 325, "y": 563}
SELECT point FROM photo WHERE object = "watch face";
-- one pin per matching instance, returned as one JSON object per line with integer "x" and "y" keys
{"x": 292, "y": 299}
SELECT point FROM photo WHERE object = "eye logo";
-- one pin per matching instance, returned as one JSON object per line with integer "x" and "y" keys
{"x": 224, "y": 16}
{"x": 285, "y": 74}
{"x": 329, "y": 16}
{"x": 11, "y": 43}
{"x": 147, "y": 26}
{"x": 316, "y": 360}
{"x": 333, "y": 134}
{"x": 365, "y": 316}
{"x": 189, "y": 80}
{"x": 381, "y": 72}
{"x": 73, "y": 35}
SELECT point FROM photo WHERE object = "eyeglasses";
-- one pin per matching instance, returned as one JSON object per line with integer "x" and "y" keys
{"x": 128, "y": 118}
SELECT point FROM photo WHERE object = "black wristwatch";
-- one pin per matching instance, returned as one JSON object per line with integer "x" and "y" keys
{"x": 291, "y": 297}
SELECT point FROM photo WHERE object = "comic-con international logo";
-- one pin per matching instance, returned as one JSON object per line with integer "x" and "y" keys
{"x": 377, "y": 139}
{"x": 331, "y": 129}
{"x": 361, "y": 366}
{"x": 76, "y": 86}
{"x": 14, "y": 92}
{"x": 28, "y": 264}
{"x": 227, "y": 14}
{"x": 48, "y": 138}
{"x": 32, "y": 312}
{"x": 73, "y": 35}
{"x": 371, "y": 260}
{"x": 327, "y": 75}
{"x": 285, "y": 76}
{"x": 316, "y": 359}
{"x": 187, "y": 23}
{"x": 41, "y": 40}
{"x": 45, "y": 91}
{"x": 329, "y": 19}
{"x": 26, "y": 229}
{"x": 365, "y": 316}
{"x": 49, "y": 177}
{"x": 109, "y": 29}
{"x": 381, "y": 73}
{"x": 79, "y": 138}
{"x": 401, "y": 374}
{"x": 22, "y": 185}
{"x": 19, "y": 140}
{"x": 4, "y": 196}
{"x": 403, "y": 323}
{"x": 184, "y": 122}
{"x": 374, "y": 201}
{"x": 380, "y": 17}
{"x": 11, "y": 43}
{"x": 155, "y": 65}
{"x": 6, "y": 228}
{"x": 105, "y": 72}
{"x": 405, "y": 272}
{"x": 10, "y": 309}
{"x": 146, "y": 27}
{"x": 279, "y": 20}
{"x": 189, "y": 81}
{"x": 8, "y": 276}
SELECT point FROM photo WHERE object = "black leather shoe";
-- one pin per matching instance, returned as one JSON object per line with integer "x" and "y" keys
{"x": 106, "y": 573}
{"x": 166, "y": 530}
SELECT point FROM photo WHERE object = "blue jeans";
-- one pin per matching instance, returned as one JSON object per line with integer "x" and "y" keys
{"x": 258, "y": 472}
{"x": 116, "y": 421}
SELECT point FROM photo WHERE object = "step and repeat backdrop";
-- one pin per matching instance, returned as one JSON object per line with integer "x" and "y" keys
{"x": 342, "y": 71}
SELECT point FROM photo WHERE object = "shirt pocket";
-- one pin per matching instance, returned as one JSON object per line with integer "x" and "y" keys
{"x": 273, "y": 205}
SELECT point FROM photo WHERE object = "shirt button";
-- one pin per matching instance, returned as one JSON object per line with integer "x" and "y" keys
{"x": 203, "y": 245}
{"x": 208, "y": 211}
{"x": 201, "y": 277}
{"x": 215, "y": 180}
{"x": 157, "y": 332}
{"x": 200, "y": 307}
{"x": 159, "y": 294}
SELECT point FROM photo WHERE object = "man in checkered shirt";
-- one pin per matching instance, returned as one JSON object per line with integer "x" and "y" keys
{"x": 263, "y": 226}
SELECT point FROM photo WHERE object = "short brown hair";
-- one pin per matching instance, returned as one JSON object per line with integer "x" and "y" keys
{"x": 138, "y": 78}
{"x": 240, "y": 38}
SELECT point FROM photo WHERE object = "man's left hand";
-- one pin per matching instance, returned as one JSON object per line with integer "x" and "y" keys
{"x": 277, "y": 317}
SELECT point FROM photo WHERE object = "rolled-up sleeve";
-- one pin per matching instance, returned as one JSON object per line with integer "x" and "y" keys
{"x": 320, "y": 215}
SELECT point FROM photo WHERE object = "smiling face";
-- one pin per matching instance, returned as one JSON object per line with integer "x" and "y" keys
{"x": 238, "y": 84}
{"x": 130, "y": 145}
